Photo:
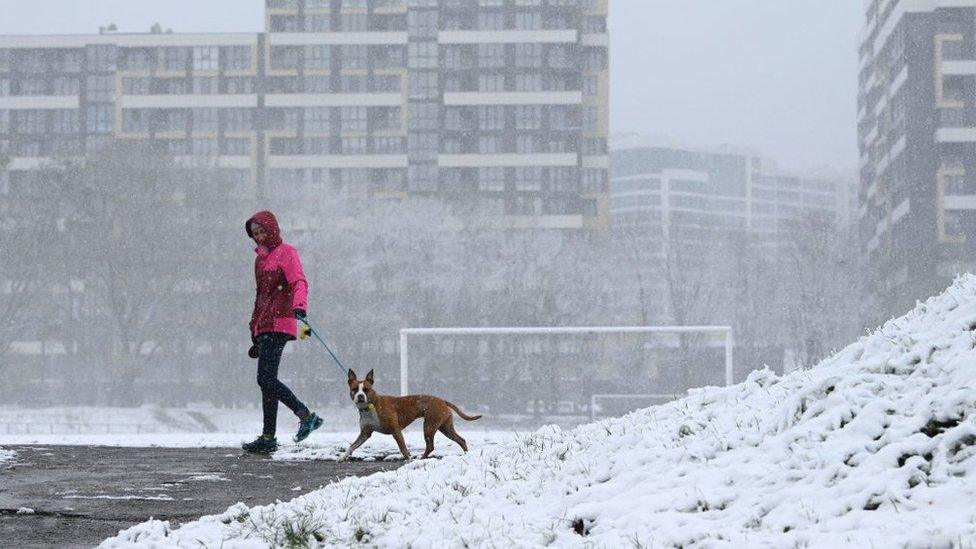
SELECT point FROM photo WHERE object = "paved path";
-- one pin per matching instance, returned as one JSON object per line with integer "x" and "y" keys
{"x": 82, "y": 495}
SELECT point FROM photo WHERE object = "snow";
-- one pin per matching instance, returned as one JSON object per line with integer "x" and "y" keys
{"x": 875, "y": 446}
{"x": 6, "y": 455}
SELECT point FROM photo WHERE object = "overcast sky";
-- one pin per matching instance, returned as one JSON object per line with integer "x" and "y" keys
{"x": 778, "y": 76}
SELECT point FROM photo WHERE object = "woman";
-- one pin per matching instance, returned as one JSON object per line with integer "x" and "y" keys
{"x": 282, "y": 297}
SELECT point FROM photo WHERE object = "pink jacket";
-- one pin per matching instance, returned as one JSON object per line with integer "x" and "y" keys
{"x": 280, "y": 281}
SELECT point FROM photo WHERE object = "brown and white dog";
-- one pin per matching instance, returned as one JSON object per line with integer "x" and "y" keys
{"x": 390, "y": 415}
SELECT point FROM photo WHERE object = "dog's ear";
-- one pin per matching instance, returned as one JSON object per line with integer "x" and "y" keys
{"x": 369, "y": 377}
{"x": 352, "y": 376}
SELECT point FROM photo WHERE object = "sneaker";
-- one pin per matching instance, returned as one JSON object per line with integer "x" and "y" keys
{"x": 310, "y": 423}
{"x": 261, "y": 445}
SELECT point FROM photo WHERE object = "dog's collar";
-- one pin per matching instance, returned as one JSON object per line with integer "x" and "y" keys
{"x": 368, "y": 409}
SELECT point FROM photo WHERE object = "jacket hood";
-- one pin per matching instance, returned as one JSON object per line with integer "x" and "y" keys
{"x": 270, "y": 223}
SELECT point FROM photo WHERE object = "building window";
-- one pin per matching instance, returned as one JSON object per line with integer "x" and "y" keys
{"x": 388, "y": 145}
{"x": 356, "y": 83}
{"x": 319, "y": 22}
{"x": 422, "y": 23}
{"x": 206, "y": 58}
{"x": 594, "y": 24}
{"x": 236, "y": 58}
{"x": 284, "y": 57}
{"x": 204, "y": 85}
{"x": 591, "y": 84}
{"x": 491, "y": 117}
{"x": 353, "y": 22}
{"x": 174, "y": 59}
{"x": 65, "y": 121}
{"x": 203, "y": 147}
{"x": 491, "y": 55}
{"x": 528, "y": 117}
{"x": 355, "y": 57}
{"x": 526, "y": 144}
{"x": 388, "y": 83}
{"x": 422, "y": 178}
{"x": 423, "y": 146}
{"x": 239, "y": 85}
{"x": 238, "y": 120}
{"x": 528, "y": 179}
{"x": 71, "y": 61}
{"x": 528, "y": 20}
{"x": 491, "y": 179}
{"x": 102, "y": 58}
{"x": 528, "y": 82}
{"x": 318, "y": 84}
{"x": 317, "y": 119}
{"x": 423, "y": 85}
{"x": 424, "y": 116}
{"x": 354, "y": 145}
{"x": 591, "y": 119}
{"x": 491, "y": 21}
{"x": 594, "y": 180}
{"x": 528, "y": 55}
{"x": 136, "y": 60}
{"x": 31, "y": 122}
{"x": 282, "y": 118}
{"x": 422, "y": 55}
{"x": 101, "y": 88}
{"x": 491, "y": 82}
{"x": 489, "y": 144}
{"x": 318, "y": 57}
{"x": 560, "y": 57}
{"x": 205, "y": 120}
{"x": 286, "y": 23}
{"x": 386, "y": 118}
{"x": 353, "y": 119}
{"x": 100, "y": 118}
{"x": 136, "y": 120}
{"x": 136, "y": 86}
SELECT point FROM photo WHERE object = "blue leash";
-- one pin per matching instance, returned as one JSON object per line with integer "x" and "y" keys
{"x": 338, "y": 362}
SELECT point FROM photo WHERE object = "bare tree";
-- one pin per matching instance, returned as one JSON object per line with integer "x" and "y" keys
{"x": 135, "y": 248}
{"x": 821, "y": 278}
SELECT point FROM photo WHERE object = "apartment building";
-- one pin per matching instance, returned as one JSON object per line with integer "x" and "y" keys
{"x": 695, "y": 195}
{"x": 917, "y": 139}
{"x": 497, "y": 103}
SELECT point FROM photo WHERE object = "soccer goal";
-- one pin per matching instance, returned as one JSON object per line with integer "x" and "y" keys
{"x": 467, "y": 343}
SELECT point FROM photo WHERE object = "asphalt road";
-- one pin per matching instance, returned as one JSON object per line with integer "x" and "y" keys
{"x": 81, "y": 495}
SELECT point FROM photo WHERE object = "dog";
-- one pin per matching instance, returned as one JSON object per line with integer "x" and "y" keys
{"x": 390, "y": 415}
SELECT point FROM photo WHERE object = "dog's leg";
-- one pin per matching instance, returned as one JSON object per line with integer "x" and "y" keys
{"x": 430, "y": 429}
{"x": 398, "y": 436}
{"x": 363, "y": 435}
{"x": 448, "y": 429}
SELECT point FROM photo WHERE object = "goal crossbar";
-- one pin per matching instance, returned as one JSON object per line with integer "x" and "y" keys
{"x": 405, "y": 332}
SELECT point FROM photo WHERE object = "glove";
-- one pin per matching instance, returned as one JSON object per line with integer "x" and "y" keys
{"x": 253, "y": 351}
{"x": 299, "y": 314}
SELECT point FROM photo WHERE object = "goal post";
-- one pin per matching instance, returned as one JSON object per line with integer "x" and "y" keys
{"x": 549, "y": 330}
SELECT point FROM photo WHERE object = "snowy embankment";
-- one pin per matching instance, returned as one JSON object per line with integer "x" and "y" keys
{"x": 875, "y": 446}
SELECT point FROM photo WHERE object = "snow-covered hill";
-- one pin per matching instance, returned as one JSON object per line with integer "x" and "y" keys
{"x": 875, "y": 446}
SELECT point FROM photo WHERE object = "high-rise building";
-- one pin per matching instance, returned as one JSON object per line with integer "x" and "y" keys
{"x": 696, "y": 196}
{"x": 498, "y": 103}
{"x": 917, "y": 138}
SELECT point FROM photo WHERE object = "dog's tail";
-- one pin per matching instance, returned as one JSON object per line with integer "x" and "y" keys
{"x": 463, "y": 416}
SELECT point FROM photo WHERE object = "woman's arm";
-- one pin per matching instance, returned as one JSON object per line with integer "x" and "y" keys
{"x": 291, "y": 266}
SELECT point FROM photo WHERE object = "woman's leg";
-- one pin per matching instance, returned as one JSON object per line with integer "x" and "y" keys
{"x": 272, "y": 389}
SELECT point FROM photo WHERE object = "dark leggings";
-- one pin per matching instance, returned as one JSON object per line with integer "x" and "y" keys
{"x": 270, "y": 347}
